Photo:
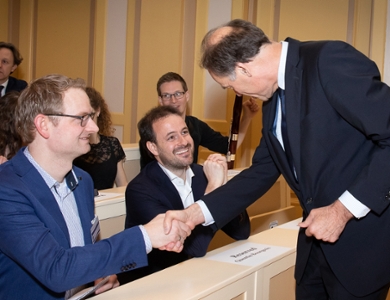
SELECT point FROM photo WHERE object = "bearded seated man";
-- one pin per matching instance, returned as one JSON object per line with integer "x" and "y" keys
{"x": 173, "y": 182}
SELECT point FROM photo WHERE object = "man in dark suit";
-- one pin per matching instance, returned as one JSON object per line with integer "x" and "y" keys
{"x": 48, "y": 227}
{"x": 171, "y": 182}
{"x": 331, "y": 141}
{"x": 10, "y": 59}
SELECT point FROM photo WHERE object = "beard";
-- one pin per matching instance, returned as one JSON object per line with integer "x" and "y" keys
{"x": 174, "y": 162}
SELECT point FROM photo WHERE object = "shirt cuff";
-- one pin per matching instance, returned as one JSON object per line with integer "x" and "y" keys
{"x": 358, "y": 209}
{"x": 148, "y": 243}
{"x": 206, "y": 213}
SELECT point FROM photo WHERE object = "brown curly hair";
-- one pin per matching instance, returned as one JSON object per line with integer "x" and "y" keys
{"x": 104, "y": 119}
{"x": 10, "y": 140}
{"x": 15, "y": 52}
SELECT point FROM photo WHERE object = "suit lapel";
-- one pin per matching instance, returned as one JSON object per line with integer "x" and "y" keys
{"x": 273, "y": 144}
{"x": 293, "y": 85}
{"x": 81, "y": 195}
{"x": 10, "y": 85}
{"x": 277, "y": 153}
{"x": 165, "y": 185}
{"x": 199, "y": 182}
{"x": 41, "y": 192}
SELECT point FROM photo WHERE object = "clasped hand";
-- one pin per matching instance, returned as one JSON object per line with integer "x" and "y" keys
{"x": 170, "y": 241}
{"x": 215, "y": 169}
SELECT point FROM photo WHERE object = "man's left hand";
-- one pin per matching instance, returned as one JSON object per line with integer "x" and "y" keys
{"x": 327, "y": 223}
{"x": 110, "y": 284}
{"x": 215, "y": 169}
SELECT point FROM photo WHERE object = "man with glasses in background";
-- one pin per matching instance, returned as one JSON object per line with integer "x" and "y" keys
{"x": 172, "y": 91}
{"x": 48, "y": 227}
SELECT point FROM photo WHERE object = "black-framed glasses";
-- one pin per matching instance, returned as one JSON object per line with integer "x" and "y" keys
{"x": 83, "y": 119}
{"x": 168, "y": 97}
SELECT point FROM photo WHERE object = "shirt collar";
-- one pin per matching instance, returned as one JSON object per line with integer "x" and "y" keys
{"x": 171, "y": 176}
{"x": 71, "y": 178}
{"x": 282, "y": 65}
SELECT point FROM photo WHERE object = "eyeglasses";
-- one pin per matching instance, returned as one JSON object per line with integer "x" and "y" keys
{"x": 177, "y": 95}
{"x": 83, "y": 119}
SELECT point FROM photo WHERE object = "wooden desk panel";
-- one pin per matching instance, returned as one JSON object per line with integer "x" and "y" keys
{"x": 203, "y": 278}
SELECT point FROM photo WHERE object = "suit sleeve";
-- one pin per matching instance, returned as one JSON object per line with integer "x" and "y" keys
{"x": 211, "y": 139}
{"x": 239, "y": 228}
{"x": 237, "y": 194}
{"x": 354, "y": 88}
{"x": 26, "y": 241}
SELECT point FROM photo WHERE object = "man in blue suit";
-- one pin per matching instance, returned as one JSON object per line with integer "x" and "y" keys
{"x": 48, "y": 230}
{"x": 326, "y": 128}
{"x": 10, "y": 59}
{"x": 172, "y": 181}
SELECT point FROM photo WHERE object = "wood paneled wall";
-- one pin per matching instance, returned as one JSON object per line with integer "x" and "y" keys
{"x": 122, "y": 47}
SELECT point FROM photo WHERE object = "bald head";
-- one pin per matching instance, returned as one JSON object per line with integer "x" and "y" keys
{"x": 218, "y": 35}
{"x": 225, "y": 46}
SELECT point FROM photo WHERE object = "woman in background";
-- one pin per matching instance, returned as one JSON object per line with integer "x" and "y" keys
{"x": 104, "y": 162}
{"x": 10, "y": 140}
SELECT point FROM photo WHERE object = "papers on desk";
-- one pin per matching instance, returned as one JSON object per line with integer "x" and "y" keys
{"x": 249, "y": 254}
{"x": 105, "y": 196}
{"x": 292, "y": 224}
{"x": 89, "y": 291}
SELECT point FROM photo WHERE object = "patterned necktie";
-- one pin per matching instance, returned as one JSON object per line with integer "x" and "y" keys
{"x": 1, "y": 89}
{"x": 287, "y": 148}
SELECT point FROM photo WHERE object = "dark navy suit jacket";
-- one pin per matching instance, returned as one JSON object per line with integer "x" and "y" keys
{"x": 338, "y": 122}
{"x": 151, "y": 193}
{"x": 15, "y": 85}
{"x": 36, "y": 261}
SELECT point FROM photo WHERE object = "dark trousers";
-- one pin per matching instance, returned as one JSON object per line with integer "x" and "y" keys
{"x": 320, "y": 283}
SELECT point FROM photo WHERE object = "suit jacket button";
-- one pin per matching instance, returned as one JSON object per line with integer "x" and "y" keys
{"x": 125, "y": 268}
{"x": 309, "y": 200}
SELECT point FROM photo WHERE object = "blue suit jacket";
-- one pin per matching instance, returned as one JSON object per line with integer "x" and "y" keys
{"x": 36, "y": 261}
{"x": 15, "y": 85}
{"x": 151, "y": 193}
{"x": 337, "y": 112}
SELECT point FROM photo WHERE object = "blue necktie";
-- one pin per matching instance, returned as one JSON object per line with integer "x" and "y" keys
{"x": 287, "y": 148}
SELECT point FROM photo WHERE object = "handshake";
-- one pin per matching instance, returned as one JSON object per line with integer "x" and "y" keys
{"x": 169, "y": 231}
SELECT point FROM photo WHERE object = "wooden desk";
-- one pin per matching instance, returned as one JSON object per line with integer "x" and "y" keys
{"x": 110, "y": 207}
{"x": 270, "y": 210}
{"x": 209, "y": 279}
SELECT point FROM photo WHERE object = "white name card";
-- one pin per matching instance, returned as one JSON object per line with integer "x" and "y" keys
{"x": 249, "y": 254}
